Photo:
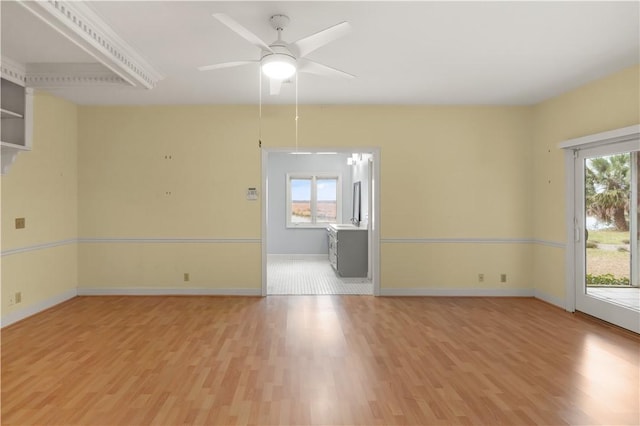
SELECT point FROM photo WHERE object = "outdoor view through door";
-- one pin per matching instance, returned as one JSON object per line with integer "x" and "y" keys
{"x": 611, "y": 223}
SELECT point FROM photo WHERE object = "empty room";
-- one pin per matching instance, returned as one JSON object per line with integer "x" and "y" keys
{"x": 320, "y": 213}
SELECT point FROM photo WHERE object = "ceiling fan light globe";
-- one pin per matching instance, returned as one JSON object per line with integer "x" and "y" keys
{"x": 278, "y": 66}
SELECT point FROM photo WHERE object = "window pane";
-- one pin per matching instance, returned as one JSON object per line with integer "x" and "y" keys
{"x": 607, "y": 200}
{"x": 300, "y": 200}
{"x": 327, "y": 211}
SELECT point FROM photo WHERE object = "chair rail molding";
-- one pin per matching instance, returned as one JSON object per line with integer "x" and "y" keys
{"x": 82, "y": 26}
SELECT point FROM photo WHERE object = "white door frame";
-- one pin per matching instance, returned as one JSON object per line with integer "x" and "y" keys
{"x": 374, "y": 214}
{"x": 574, "y": 230}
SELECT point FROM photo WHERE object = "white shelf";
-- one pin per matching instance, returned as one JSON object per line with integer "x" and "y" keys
{"x": 5, "y": 113}
{"x": 9, "y": 145}
{"x": 16, "y": 127}
{"x": 9, "y": 152}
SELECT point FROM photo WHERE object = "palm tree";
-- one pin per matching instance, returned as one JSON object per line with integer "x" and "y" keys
{"x": 607, "y": 185}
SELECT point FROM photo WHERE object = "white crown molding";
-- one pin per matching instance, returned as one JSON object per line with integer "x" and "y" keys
{"x": 59, "y": 75}
{"x": 81, "y": 25}
{"x": 12, "y": 71}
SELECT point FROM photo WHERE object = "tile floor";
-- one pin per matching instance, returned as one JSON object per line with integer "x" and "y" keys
{"x": 628, "y": 297}
{"x": 309, "y": 276}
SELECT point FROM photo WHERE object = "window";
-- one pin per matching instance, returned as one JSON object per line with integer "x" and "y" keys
{"x": 313, "y": 200}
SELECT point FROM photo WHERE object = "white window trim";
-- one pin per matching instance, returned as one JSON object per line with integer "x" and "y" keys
{"x": 313, "y": 177}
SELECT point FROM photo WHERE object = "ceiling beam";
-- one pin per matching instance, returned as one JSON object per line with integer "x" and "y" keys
{"x": 82, "y": 26}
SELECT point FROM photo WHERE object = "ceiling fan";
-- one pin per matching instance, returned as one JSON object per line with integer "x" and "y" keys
{"x": 281, "y": 60}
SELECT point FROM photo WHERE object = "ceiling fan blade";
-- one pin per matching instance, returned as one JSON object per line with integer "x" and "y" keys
{"x": 306, "y": 45}
{"x": 305, "y": 65}
{"x": 242, "y": 31}
{"x": 274, "y": 86}
{"x": 225, "y": 65}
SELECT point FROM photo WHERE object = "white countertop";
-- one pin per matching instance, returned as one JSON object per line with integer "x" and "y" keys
{"x": 345, "y": 226}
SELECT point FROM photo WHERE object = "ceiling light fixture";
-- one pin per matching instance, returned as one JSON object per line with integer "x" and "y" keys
{"x": 278, "y": 62}
{"x": 278, "y": 65}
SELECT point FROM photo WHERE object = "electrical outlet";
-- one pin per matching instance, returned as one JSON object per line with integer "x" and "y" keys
{"x": 503, "y": 278}
{"x": 480, "y": 278}
{"x": 186, "y": 276}
{"x": 12, "y": 300}
{"x": 18, "y": 297}
{"x": 20, "y": 222}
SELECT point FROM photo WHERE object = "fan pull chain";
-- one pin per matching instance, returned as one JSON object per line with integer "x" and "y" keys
{"x": 296, "y": 112}
{"x": 259, "y": 108}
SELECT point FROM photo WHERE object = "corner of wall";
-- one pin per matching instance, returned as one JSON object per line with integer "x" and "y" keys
{"x": 605, "y": 104}
{"x": 40, "y": 261}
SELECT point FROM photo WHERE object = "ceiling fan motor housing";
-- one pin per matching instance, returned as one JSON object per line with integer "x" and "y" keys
{"x": 280, "y": 63}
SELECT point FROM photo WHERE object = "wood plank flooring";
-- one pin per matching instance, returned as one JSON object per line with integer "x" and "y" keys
{"x": 316, "y": 360}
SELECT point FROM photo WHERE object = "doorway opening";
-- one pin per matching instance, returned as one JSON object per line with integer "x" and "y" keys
{"x": 320, "y": 232}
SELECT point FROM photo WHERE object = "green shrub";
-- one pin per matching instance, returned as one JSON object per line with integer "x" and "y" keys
{"x": 606, "y": 279}
{"x": 592, "y": 244}
{"x": 623, "y": 249}
{"x": 625, "y": 241}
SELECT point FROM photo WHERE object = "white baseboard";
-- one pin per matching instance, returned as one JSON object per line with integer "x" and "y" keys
{"x": 549, "y": 298}
{"x": 458, "y": 292}
{"x": 168, "y": 291}
{"x": 298, "y": 256}
{"x": 28, "y": 311}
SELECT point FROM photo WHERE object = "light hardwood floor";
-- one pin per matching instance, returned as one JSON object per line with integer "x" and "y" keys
{"x": 316, "y": 360}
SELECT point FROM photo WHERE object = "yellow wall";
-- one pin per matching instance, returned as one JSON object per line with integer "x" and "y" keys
{"x": 41, "y": 186}
{"x": 446, "y": 172}
{"x": 610, "y": 103}
{"x": 447, "y": 266}
{"x": 450, "y": 172}
{"x": 167, "y": 173}
{"x": 154, "y": 192}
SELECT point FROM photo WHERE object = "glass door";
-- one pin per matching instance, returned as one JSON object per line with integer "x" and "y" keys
{"x": 607, "y": 265}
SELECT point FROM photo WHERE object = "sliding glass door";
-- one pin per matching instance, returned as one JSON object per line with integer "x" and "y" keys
{"x": 607, "y": 261}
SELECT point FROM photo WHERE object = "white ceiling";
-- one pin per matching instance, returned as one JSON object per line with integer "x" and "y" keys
{"x": 482, "y": 53}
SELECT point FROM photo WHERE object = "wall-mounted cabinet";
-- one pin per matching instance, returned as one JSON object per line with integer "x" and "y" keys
{"x": 16, "y": 117}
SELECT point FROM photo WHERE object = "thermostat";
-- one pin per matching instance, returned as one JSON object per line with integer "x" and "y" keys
{"x": 252, "y": 194}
